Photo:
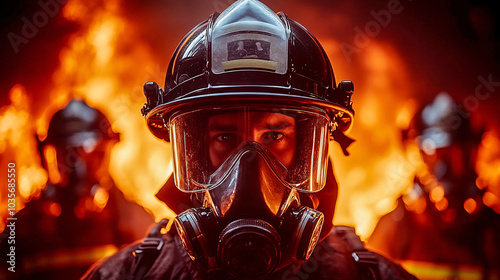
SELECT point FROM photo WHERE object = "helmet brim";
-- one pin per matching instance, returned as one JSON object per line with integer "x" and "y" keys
{"x": 157, "y": 119}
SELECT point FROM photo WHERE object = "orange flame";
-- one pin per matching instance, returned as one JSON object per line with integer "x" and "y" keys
{"x": 105, "y": 63}
{"x": 94, "y": 67}
{"x": 488, "y": 168}
{"x": 18, "y": 146}
{"x": 378, "y": 170}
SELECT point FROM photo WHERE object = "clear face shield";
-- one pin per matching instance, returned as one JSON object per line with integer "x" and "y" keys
{"x": 250, "y": 162}
{"x": 208, "y": 143}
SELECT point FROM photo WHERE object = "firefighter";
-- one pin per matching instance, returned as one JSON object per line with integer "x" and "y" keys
{"x": 442, "y": 224}
{"x": 79, "y": 216}
{"x": 250, "y": 106}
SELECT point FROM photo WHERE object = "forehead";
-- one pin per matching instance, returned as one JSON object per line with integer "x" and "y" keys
{"x": 250, "y": 117}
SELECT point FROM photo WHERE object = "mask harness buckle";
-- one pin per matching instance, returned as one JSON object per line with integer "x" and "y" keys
{"x": 148, "y": 251}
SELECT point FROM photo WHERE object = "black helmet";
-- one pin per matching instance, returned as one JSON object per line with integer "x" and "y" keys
{"x": 273, "y": 58}
{"x": 441, "y": 123}
{"x": 76, "y": 123}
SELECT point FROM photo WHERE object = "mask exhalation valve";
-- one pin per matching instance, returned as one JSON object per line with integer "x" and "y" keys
{"x": 249, "y": 248}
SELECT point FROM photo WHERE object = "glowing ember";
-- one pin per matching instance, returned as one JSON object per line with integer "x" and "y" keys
{"x": 470, "y": 205}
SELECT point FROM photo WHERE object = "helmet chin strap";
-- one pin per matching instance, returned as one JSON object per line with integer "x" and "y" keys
{"x": 343, "y": 140}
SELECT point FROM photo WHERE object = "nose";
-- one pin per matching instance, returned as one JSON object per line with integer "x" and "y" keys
{"x": 251, "y": 189}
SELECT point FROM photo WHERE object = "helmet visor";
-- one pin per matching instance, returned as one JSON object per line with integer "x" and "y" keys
{"x": 207, "y": 143}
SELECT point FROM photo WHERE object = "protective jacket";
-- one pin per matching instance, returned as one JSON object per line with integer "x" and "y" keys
{"x": 340, "y": 256}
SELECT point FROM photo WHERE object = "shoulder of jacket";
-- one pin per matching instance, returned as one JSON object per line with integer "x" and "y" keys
{"x": 121, "y": 264}
{"x": 348, "y": 234}
{"x": 370, "y": 265}
{"x": 162, "y": 256}
{"x": 114, "y": 266}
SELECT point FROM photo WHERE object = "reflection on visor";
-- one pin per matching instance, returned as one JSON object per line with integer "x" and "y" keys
{"x": 208, "y": 143}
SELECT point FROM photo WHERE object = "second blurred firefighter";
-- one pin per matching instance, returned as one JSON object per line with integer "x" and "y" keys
{"x": 80, "y": 215}
{"x": 442, "y": 222}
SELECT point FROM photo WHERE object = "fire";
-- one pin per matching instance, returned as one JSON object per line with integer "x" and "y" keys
{"x": 18, "y": 146}
{"x": 488, "y": 168}
{"x": 106, "y": 63}
{"x": 378, "y": 169}
{"x": 94, "y": 67}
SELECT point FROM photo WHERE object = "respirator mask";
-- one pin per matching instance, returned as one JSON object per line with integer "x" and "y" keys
{"x": 254, "y": 171}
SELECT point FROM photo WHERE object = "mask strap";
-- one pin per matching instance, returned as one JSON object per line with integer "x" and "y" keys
{"x": 343, "y": 140}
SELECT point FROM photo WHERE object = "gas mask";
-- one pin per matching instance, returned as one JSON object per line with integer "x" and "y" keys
{"x": 254, "y": 171}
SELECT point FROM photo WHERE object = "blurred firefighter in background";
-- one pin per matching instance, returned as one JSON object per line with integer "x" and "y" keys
{"x": 250, "y": 106}
{"x": 442, "y": 220}
{"x": 80, "y": 216}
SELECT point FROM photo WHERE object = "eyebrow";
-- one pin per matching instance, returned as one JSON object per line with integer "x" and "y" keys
{"x": 278, "y": 125}
{"x": 222, "y": 127}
